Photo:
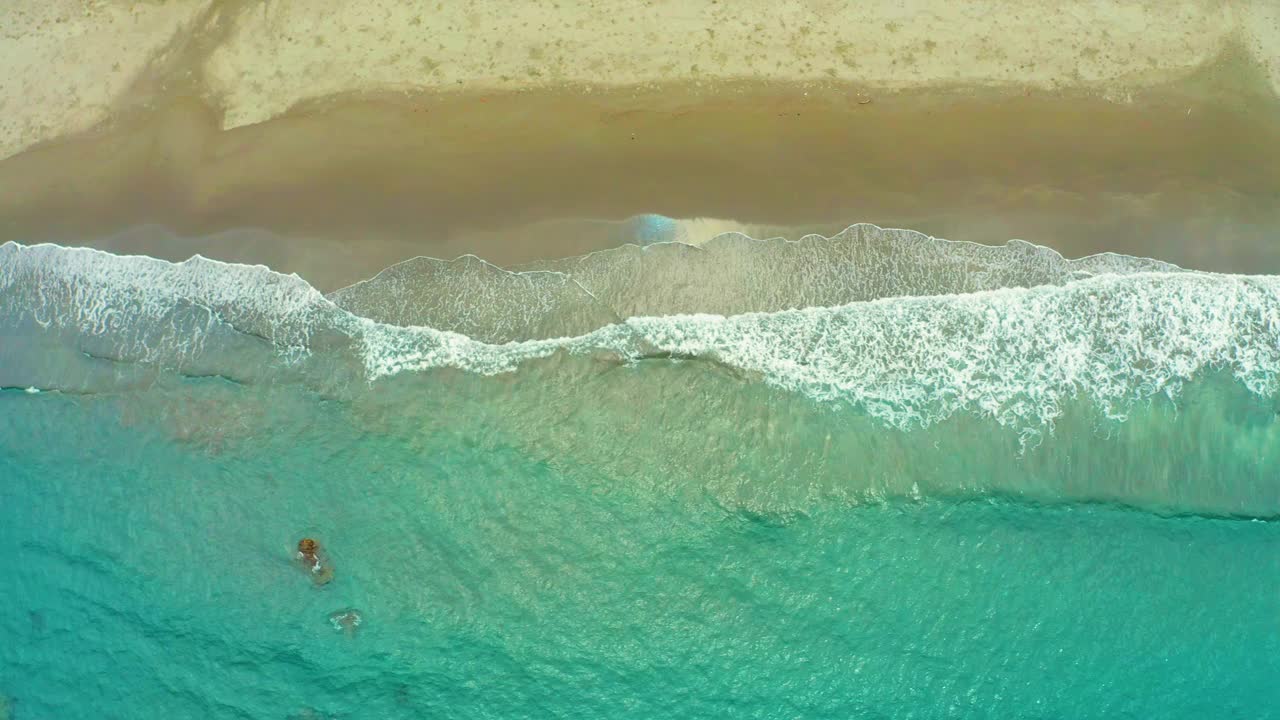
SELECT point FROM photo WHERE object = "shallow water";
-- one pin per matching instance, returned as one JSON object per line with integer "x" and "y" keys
{"x": 151, "y": 578}
{"x": 940, "y": 481}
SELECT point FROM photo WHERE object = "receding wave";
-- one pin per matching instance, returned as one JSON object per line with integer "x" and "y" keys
{"x": 733, "y": 273}
{"x": 728, "y": 275}
{"x": 901, "y": 330}
{"x": 479, "y": 300}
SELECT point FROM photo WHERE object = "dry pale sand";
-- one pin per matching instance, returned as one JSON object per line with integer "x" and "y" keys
{"x": 66, "y": 65}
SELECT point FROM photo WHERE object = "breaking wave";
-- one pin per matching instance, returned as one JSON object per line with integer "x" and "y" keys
{"x": 908, "y": 328}
{"x": 908, "y": 333}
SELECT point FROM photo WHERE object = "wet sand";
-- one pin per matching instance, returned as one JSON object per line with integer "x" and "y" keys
{"x": 336, "y": 190}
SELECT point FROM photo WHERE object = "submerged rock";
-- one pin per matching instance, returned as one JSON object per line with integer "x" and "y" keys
{"x": 346, "y": 621}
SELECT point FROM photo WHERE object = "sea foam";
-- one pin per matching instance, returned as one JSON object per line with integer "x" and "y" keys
{"x": 926, "y": 329}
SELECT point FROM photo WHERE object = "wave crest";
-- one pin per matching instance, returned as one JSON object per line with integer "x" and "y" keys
{"x": 917, "y": 329}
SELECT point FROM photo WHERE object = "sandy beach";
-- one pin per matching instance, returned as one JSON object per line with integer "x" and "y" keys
{"x": 251, "y": 133}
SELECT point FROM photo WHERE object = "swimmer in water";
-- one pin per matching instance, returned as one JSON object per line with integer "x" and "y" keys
{"x": 309, "y": 555}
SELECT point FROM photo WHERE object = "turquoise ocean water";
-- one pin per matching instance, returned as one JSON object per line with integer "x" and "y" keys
{"x": 875, "y": 475}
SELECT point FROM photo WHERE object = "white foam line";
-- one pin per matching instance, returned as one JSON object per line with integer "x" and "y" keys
{"x": 1014, "y": 354}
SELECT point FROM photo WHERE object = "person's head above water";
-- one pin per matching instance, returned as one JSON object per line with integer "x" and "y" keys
{"x": 309, "y": 557}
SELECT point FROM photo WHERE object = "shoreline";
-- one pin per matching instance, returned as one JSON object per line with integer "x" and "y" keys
{"x": 1187, "y": 176}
